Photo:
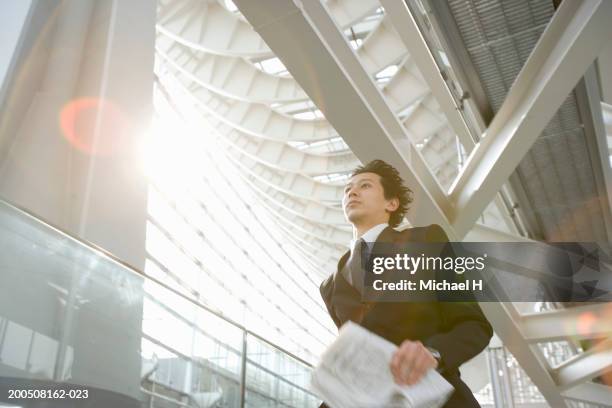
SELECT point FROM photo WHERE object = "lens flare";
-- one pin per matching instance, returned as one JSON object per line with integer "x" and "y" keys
{"x": 94, "y": 126}
{"x": 586, "y": 323}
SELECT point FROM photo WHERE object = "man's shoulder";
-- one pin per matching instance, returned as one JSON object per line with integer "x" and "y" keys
{"x": 327, "y": 281}
{"x": 429, "y": 233}
{"x": 326, "y": 287}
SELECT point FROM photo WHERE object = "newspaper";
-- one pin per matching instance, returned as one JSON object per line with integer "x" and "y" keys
{"x": 354, "y": 373}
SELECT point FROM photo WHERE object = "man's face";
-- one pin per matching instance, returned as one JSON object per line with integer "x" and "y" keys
{"x": 364, "y": 200}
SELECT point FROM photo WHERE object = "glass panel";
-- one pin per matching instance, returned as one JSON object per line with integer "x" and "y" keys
{"x": 73, "y": 317}
{"x": 276, "y": 379}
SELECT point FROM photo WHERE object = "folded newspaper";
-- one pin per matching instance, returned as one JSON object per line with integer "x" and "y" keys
{"x": 354, "y": 373}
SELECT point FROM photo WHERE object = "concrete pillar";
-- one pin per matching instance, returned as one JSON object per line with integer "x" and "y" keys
{"x": 76, "y": 99}
{"x": 76, "y": 108}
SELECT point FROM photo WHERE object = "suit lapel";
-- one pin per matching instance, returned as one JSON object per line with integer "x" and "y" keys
{"x": 385, "y": 237}
{"x": 341, "y": 285}
{"x": 341, "y": 262}
{"x": 346, "y": 299}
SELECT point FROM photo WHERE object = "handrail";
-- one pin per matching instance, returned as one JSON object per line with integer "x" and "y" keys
{"x": 104, "y": 253}
{"x": 228, "y": 375}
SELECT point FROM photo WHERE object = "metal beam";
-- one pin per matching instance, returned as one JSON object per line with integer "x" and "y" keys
{"x": 589, "y": 321}
{"x": 408, "y": 30}
{"x": 233, "y": 77}
{"x": 589, "y": 105}
{"x": 506, "y": 318}
{"x": 586, "y": 366}
{"x": 604, "y": 68}
{"x": 607, "y": 117}
{"x": 598, "y": 394}
{"x": 208, "y": 26}
{"x": 482, "y": 233}
{"x": 530, "y": 219}
{"x": 568, "y": 46}
{"x": 444, "y": 24}
{"x": 318, "y": 56}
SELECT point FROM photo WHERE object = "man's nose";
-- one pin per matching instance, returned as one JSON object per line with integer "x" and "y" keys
{"x": 351, "y": 193}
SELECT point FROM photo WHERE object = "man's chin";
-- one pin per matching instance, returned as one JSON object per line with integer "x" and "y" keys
{"x": 354, "y": 216}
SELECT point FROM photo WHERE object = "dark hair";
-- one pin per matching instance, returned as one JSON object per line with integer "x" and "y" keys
{"x": 393, "y": 187}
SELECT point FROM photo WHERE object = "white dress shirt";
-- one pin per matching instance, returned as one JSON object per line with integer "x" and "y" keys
{"x": 370, "y": 236}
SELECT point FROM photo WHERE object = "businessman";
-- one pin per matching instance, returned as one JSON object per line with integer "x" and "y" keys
{"x": 429, "y": 335}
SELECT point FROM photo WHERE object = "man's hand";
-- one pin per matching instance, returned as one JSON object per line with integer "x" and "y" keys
{"x": 410, "y": 362}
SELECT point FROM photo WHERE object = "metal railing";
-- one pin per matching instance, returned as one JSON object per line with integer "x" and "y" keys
{"x": 86, "y": 302}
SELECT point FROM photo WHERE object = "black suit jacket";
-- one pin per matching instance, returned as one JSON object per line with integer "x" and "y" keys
{"x": 459, "y": 331}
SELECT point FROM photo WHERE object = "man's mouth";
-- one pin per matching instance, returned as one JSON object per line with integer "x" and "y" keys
{"x": 351, "y": 203}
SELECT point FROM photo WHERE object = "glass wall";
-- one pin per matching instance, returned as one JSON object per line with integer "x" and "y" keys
{"x": 73, "y": 318}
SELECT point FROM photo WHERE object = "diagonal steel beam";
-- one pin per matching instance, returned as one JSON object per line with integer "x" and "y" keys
{"x": 483, "y": 233}
{"x": 589, "y": 107}
{"x": 585, "y": 366}
{"x": 598, "y": 394}
{"x": 510, "y": 328}
{"x": 305, "y": 37}
{"x": 408, "y": 30}
{"x": 506, "y": 321}
{"x": 588, "y": 321}
{"x": 569, "y": 45}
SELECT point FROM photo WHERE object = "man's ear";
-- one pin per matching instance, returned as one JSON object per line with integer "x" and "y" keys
{"x": 392, "y": 204}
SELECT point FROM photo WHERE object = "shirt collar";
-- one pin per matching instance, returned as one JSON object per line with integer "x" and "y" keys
{"x": 371, "y": 235}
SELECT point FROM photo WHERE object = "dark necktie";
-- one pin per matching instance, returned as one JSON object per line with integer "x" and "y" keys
{"x": 354, "y": 268}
